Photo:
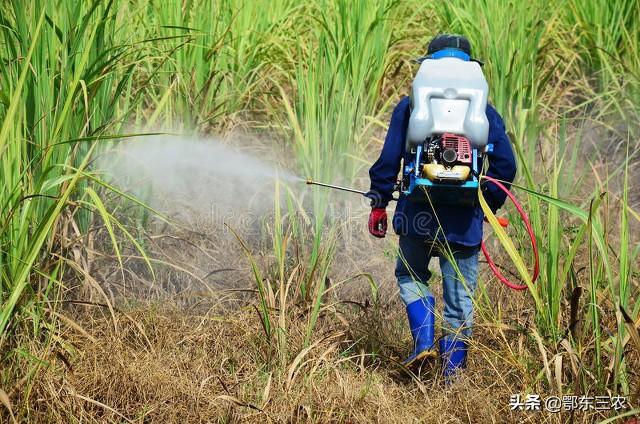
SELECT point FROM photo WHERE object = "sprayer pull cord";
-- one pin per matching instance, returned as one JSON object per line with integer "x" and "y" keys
{"x": 534, "y": 247}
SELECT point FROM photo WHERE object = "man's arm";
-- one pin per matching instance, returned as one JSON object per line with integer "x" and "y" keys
{"x": 502, "y": 163}
{"x": 384, "y": 172}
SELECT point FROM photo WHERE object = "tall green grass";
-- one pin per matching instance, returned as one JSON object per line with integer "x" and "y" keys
{"x": 66, "y": 73}
{"x": 337, "y": 84}
{"x": 52, "y": 91}
{"x": 214, "y": 58}
{"x": 336, "y": 89}
{"x": 602, "y": 30}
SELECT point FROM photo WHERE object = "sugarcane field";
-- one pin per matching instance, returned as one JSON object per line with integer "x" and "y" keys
{"x": 323, "y": 211}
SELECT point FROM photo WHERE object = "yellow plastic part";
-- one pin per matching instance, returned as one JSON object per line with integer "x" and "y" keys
{"x": 436, "y": 171}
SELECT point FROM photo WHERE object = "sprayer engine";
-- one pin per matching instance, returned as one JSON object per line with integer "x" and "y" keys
{"x": 448, "y": 159}
{"x": 444, "y": 171}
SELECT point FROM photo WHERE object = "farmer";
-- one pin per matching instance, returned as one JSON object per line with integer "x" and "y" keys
{"x": 423, "y": 231}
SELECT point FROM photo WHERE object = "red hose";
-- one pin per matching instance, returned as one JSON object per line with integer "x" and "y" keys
{"x": 525, "y": 219}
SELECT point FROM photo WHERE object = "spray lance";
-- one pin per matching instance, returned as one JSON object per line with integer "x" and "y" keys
{"x": 335, "y": 187}
{"x": 503, "y": 222}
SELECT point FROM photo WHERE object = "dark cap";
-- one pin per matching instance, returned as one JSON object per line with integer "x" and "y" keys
{"x": 449, "y": 41}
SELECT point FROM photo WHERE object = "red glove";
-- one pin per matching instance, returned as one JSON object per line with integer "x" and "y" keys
{"x": 378, "y": 222}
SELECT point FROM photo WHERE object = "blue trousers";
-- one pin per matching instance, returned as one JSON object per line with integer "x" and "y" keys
{"x": 412, "y": 273}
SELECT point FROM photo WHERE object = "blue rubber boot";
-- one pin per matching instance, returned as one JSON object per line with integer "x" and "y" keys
{"x": 454, "y": 357}
{"x": 421, "y": 322}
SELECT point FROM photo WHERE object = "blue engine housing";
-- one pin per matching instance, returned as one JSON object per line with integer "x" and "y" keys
{"x": 420, "y": 189}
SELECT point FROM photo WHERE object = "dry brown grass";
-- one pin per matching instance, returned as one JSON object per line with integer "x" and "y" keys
{"x": 164, "y": 364}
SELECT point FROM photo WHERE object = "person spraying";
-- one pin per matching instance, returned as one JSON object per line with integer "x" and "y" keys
{"x": 441, "y": 137}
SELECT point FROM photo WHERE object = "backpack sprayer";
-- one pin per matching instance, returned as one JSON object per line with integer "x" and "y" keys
{"x": 446, "y": 138}
{"x": 448, "y": 131}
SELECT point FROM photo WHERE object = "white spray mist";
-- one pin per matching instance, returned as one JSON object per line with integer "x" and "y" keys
{"x": 194, "y": 178}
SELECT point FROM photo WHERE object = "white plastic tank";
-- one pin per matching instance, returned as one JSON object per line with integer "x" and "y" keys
{"x": 449, "y": 95}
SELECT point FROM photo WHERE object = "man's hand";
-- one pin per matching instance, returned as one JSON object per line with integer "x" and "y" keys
{"x": 378, "y": 222}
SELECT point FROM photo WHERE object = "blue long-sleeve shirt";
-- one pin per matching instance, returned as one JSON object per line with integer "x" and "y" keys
{"x": 457, "y": 224}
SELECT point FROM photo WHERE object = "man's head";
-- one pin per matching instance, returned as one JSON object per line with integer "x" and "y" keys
{"x": 449, "y": 45}
{"x": 449, "y": 41}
